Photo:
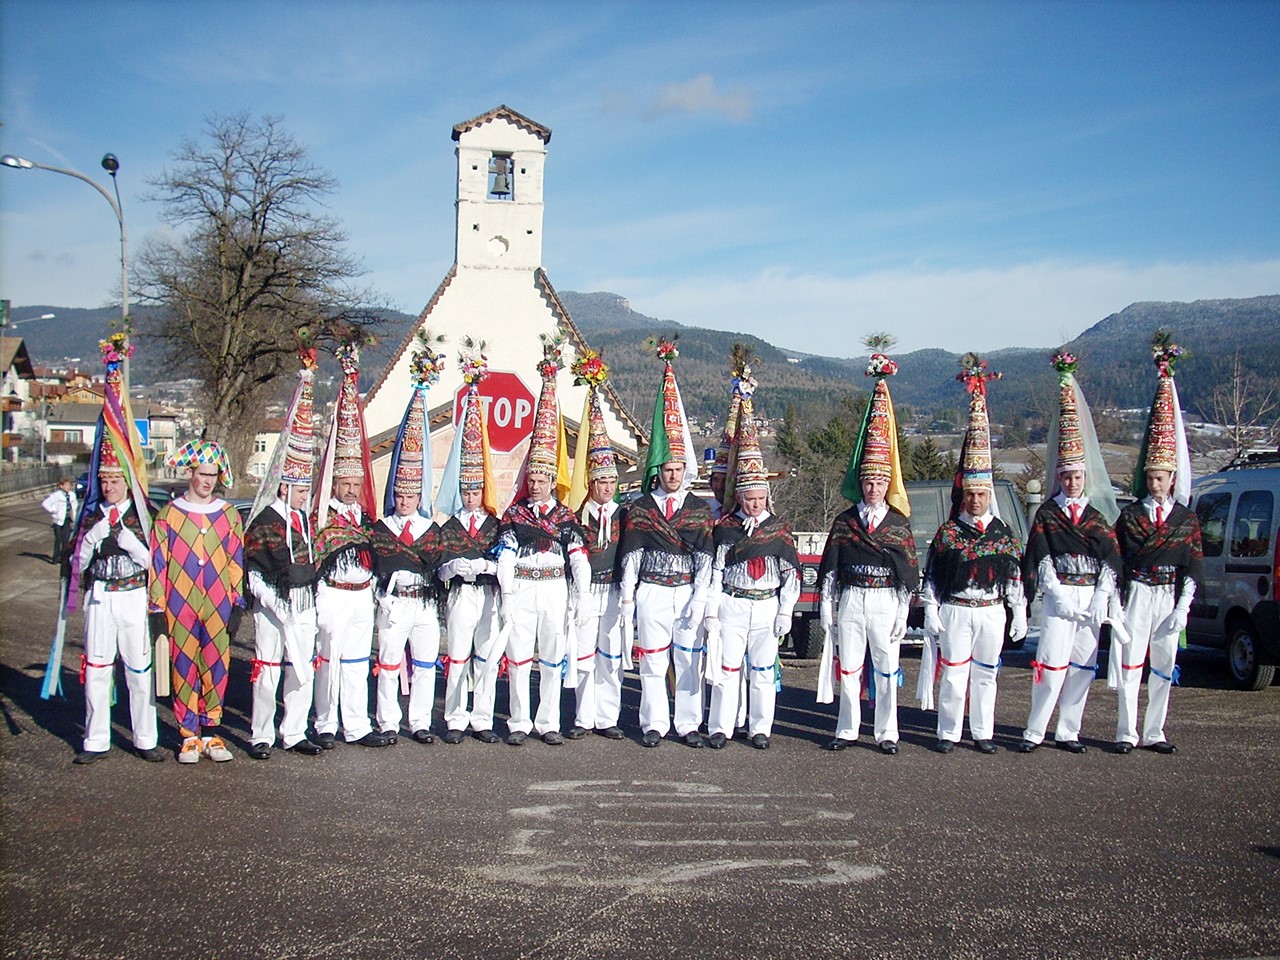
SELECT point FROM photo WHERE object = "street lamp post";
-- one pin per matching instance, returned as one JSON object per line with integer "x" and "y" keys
{"x": 111, "y": 165}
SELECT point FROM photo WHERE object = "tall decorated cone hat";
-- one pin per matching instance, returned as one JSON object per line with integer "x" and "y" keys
{"x": 468, "y": 466}
{"x": 1074, "y": 442}
{"x": 593, "y": 459}
{"x": 1165, "y": 446}
{"x": 875, "y": 450}
{"x": 670, "y": 439}
{"x": 740, "y": 370}
{"x": 410, "y": 471}
{"x": 1070, "y": 445}
{"x": 748, "y": 461}
{"x": 975, "y": 470}
{"x": 347, "y": 455}
{"x": 544, "y": 447}
{"x": 293, "y": 460}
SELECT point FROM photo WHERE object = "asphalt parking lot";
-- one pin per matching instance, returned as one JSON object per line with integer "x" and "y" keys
{"x": 604, "y": 849}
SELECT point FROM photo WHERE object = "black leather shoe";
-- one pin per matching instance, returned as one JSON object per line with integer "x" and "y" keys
{"x": 516, "y": 737}
{"x": 425, "y": 736}
{"x": 391, "y": 736}
{"x": 152, "y": 755}
{"x": 1026, "y": 746}
{"x": 553, "y": 738}
{"x": 374, "y": 738}
{"x": 611, "y": 733}
{"x": 717, "y": 741}
{"x": 1164, "y": 747}
{"x": 694, "y": 739}
{"x": 89, "y": 756}
{"x": 944, "y": 746}
{"x": 487, "y": 736}
{"x": 840, "y": 743}
{"x": 741, "y": 733}
{"x": 760, "y": 741}
{"x": 1071, "y": 746}
{"x": 984, "y": 746}
{"x": 889, "y": 747}
{"x": 651, "y": 738}
{"x": 575, "y": 732}
{"x": 305, "y": 748}
{"x": 260, "y": 751}
{"x": 327, "y": 741}
{"x": 1122, "y": 747}
{"x": 452, "y": 737}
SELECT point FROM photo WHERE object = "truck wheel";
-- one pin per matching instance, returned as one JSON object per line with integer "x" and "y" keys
{"x": 1247, "y": 673}
{"x": 806, "y": 637}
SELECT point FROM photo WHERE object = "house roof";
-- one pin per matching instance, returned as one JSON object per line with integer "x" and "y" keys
{"x": 13, "y": 353}
{"x": 503, "y": 112}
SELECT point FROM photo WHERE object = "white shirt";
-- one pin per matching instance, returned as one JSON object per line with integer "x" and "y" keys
{"x": 872, "y": 516}
{"x": 61, "y": 506}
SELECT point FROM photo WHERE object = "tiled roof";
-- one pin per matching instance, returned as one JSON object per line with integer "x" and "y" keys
{"x": 504, "y": 112}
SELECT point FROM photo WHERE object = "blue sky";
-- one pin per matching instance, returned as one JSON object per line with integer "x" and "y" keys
{"x": 964, "y": 175}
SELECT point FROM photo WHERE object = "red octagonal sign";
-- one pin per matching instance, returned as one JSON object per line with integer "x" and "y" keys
{"x": 508, "y": 407}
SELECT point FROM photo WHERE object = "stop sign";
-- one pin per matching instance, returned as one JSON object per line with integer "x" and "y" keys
{"x": 508, "y": 407}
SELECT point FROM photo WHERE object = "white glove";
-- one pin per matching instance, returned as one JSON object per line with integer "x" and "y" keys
{"x": 693, "y": 612}
{"x": 932, "y": 622}
{"x": 827, "y": 617}
{"x": 899, "y": 629}
{"x": 582, "y": 614}
{"x": 781, "y": 625}
{"x": 482, "y": 565}
{"x": 99, "y": 531}
{"x": 134, "y": 547}
{"x": 1064, "y": 605}
{"x": 448, "y": 570}
{"x": 1175, "y": 622}
{"x": 1018, "y": 628}
{"x": 628, "y": 624}
{"x": 1097, "y": 609}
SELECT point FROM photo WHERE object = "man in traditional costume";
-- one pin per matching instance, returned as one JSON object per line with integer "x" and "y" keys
{"x": 600, "y": 654}
{"x": 666, "y": 560}
{"x": 1163, "y": 563}
{"x": 281, "y": 576}
{"x": 467, "y": 568}
{"x": 541, "y": 558}
{"x": 113, "y": 560}
{"x": 971, "y": 576}
{"x": 196, "y": 595}
{"x": 1071, "y": 558}
{"x": 344, "y": 554}
{"x": 755, "y": 583}
{"x": 868, "y": 573}
{"x": 406, "y": 542}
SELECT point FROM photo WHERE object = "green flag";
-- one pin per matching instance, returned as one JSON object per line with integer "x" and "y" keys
{"x": 659, "y": 446}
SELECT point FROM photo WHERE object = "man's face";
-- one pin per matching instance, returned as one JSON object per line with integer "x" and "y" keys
{"x": 471, "y": 499}
{"x": 874, "y": 490}
{"x": 65, "y": 485}
{"x": 1159, "y": 483}
{"x": 203, "y": 479}
{"x": 294, "y": 495}
{"x": 539, "y": 487}
{"x": 407, "y": 503}
{"x": 671, "y": 476}
{"x": 976, "y": 502}
{"x": 1072, "y": 482}
{"x": 114, "y": 489}
{"x": 717, "y": 487}
{"x": 753, "y": 502}
{"x": 346, "y": 490}
{"x": 604, "y": 489}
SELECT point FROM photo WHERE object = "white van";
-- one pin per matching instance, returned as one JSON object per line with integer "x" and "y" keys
{"x": 1237, "y": 607}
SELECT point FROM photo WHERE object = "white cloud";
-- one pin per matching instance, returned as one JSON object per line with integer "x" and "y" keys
{"x": 699, "y": 95}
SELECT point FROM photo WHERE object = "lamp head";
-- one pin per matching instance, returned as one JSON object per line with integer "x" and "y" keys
{"x": 9, "y": 160}
{"x": 110, "y": 164}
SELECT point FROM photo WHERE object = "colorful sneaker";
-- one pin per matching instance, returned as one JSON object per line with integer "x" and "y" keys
{"x": 190, "y": 752}
{"x": 216, "y": 750}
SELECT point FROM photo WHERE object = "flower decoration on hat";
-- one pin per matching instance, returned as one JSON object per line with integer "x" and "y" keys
{"x": 878, "y": 364}
{"x": 426, "y": 365}
{"x": 1165, "y": 352}
{"x": 552, "y": 354}
{"x": 589, "y": 370}
{"x": 472, "y": 361}
{"x": 1065, "y": 363}
{"x": 664, "y": 347}
{"x": 974, "y": 373}
{"x": 116, "y": 348}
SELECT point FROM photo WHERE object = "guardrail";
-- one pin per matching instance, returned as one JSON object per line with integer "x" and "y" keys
{"x": 22, "y": 479}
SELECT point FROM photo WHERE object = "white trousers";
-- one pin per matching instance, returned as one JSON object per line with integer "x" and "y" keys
{"x": 969, "y": 654}
{"x": 272, "y": 666}
{"x": 344, "y": 621}
{"x": 662, "y": 630}
{"x": 539, "y": 629}
{"x": 115, "y": 624}
{"x": 748, "y": 647}
{"x": 1143, "y": 615}
{"x": 1068, "y": 658}
{"x": 865, "y": 619}
{"x": 407, "y": 621}
{"x": 471, "y": 636}
{"x": 598, "y": 651}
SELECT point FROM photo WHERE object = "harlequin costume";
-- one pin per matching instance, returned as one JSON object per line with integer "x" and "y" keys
{"x": 1163, "y": 563}
{"x": 666, "y": 554}
{"x": 407, "y": 548}
{"x": 972, "y": 574}
{"x": 867, "y": 575}
{"x": 344, "y": 554}
{"x": 467, "y": 541}
{"x": 197, "y": 579}
{"x": 755, "y": 583}
{"x": 113, "y": 560}
{"x": 541, "y": 558}
{"x": 1071, "y": 558}
{"x": 281, "y": 577}
{"x": 601, "y": 656}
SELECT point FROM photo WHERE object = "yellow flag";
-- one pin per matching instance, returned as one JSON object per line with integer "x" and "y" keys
{"x": 578, "y": 485}
{"x": 896, "y": 496}
{"x": 562, "y": 459}
{"x": 489, "y": 499}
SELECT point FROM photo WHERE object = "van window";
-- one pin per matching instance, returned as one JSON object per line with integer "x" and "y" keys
{"x": 1212, "y": 509}
{"x": 1251, "y": 531}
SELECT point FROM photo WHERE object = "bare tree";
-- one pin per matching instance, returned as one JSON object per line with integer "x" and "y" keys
{"x": 252, "y": 265}
{"x": 1246, "y": 408}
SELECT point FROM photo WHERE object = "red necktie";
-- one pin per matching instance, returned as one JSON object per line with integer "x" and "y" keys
{"x": 871, "y": 523}
{"x": 406, "y": 535}
{"x": 1075, "y": 512}
{"x": 981, "y": 527}
{"x": 295, "y": 521}
{"x": 114, "y": 518}
{"x": 1159, "y": 515}
{"x": 671, "y": 507}
{"x": 473, "y": 529}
